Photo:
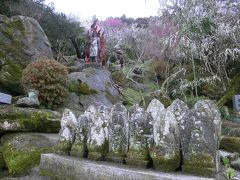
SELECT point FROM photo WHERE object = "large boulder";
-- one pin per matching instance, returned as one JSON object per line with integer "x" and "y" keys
{"x": 22, "y": 40}
{"x": 16, "y": 119}
{"x": 22, "y": 151}
{"x": 94, "y": 86}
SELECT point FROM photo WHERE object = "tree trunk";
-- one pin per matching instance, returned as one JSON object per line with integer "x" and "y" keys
{"x": 76, "y": 48}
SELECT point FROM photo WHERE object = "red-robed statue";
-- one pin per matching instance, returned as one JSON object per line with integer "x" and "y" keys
{"x": 95, "y": 51}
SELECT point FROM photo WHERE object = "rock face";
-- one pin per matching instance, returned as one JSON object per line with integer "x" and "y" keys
{"x": 30, "y": 101}
{"x": 141, "y": 137}
{"x": 22, "y": 40}
{"x": 166, "y": 150}
{"x": 118, "y": 133}
{"x": 22, "y": 151}
{"x": 200, "y": 149}
{"x": 73, "y": 102}
{"x": 94, "y": 87}
{"x": 16, "y": 119}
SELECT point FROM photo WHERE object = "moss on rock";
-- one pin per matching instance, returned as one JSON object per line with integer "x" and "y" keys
{"x": 131, "y": 96}
{"x": 230, "y": 144}
{"x": 79, "y": 150}
{"x": 138, "y": 158}
{"x": 199, "y": 164}
{"x": 98, "y": 152}
{"x": 21, "y": 152}
{"x": 28, "y": 119}
{"x": 116, "y": 157}
{"x": 80, "y": 88}
{"x": 119, "y": 78}
{"x": 62, "y": 148}
{"x": 165, "y": 163}
{"x": 10, "y": 77}
{"x": 232, "y": 90}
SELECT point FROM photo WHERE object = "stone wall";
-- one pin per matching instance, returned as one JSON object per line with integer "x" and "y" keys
{"x": 166, "y": 139}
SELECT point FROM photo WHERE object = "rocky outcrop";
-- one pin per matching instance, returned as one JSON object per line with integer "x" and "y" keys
{"x": 22, "y": 40}
{"x": 94, "y": 86}
{"x": 17, "y": 119}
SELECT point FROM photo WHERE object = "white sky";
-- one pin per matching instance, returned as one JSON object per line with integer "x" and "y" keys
{"x": 85, "y": 9}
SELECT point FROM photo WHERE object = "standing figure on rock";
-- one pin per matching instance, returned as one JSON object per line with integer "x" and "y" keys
{"x": 94, "y": 48}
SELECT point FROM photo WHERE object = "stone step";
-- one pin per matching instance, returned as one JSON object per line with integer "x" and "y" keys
{"x": 67, "y": 167}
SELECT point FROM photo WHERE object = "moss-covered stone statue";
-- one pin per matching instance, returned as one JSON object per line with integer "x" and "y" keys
{"x": 166, "y": 150}
{"x": 202, "y": 130}
{"x": 118, "y": 133}
{"x": 97, "y": 143}
{"x": 141, "y": 138}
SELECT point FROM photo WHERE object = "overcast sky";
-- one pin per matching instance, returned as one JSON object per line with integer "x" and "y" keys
{"x": 85, "y": 9}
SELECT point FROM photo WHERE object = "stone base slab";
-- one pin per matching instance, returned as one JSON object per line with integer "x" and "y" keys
{"x": 66, "y": 167}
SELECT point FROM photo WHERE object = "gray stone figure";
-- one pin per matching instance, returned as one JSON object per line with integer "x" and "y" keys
{"x": 79, "y": 147}
{"x": 140, "y": 138}
{"x": 94, "y": 47}
{"x": 118, "y": 133}
{"x": 97, "y": 143}
{"x": 200, "y": 151}
{"x": 165, "y": 152}
{"x": 66, "y": 133}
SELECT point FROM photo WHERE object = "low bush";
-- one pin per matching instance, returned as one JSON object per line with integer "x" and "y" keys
{"x": 48, "y": 77}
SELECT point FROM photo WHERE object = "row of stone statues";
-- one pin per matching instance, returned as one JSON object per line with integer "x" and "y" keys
{"x": 165, "y": 138}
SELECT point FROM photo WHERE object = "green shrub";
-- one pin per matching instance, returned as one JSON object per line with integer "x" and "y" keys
{"x": 48, "y": 77}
